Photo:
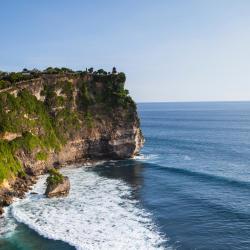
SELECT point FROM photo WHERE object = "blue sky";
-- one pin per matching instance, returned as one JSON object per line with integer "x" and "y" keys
{"x": 171, "y": 50}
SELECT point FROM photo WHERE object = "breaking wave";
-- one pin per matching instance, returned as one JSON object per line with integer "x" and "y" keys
{"x": 99, "y": 213}
{"x": 145, "y": 157}
{"x": 7, "y": 224}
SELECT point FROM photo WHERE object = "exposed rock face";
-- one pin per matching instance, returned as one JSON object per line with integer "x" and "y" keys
{"x": 70, "y": 118}
{"x": 15, "y": 188}
{"x": 6, "y": 200}
{"x": 114, "y": 131}
{"x": 58, "y": 190}
{"x": 9, "y": 136}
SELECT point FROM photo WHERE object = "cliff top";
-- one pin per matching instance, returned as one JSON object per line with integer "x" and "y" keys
{"x": 60, "y": 115}
{"x": 11, "y": 79}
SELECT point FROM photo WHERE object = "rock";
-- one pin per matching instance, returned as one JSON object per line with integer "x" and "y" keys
{"x": 109, "y": 130}
{"x": 6, "y": 200}
{"x": 58, "y": 189}
{"x": 8, "y": 136}
{"x": 1, "y": 211}
{"x": 22, "y": 195}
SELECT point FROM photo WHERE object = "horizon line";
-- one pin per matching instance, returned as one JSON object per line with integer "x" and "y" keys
{"x": 141, "y": 102}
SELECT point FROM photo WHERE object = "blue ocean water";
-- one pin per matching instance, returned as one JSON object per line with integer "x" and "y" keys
{"x": 192, "y": 180}
{"x": 197, "y": 178}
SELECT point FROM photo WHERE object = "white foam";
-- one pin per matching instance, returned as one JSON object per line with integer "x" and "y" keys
{"x": 99, "y": 213}
{"x": 187, "y": 158}
{"x": 7, "y": 224}
{"x": 145, "y": 157}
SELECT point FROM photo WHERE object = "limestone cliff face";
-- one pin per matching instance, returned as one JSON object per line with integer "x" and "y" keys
{"x": 88, "y": 116}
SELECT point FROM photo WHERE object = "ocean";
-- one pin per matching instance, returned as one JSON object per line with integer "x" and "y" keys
{"x": 189, "y": 189}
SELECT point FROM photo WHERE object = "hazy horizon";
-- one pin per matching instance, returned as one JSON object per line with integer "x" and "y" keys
{"x": 192, "y": 101}
{"x": 171, "y": 51}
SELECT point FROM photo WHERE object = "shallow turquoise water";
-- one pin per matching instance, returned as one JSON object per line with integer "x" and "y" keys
{"x": 27, "y": 239}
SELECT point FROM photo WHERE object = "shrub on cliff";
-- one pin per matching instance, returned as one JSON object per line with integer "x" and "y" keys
{"x": 121, "y": 77}
{"x": 55, "y": 177}
{"x": 4, "y": 84}
{"x": 15, "y": 77}
{"x": 66, "y": 70}
{"x": 50, "y": 70}
{"x": 91, "y": 70}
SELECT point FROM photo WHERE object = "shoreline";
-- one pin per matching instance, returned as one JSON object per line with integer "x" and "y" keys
{"x": 20, "y": 186}
{"x": 106, "y": 196}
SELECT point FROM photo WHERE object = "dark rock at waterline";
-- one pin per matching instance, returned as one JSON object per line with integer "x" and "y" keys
{"x": 1, "y": 211}
{"x": 18, "y": 189}
{"x": 58, "y": 189}
{"x": 6, "y": 200}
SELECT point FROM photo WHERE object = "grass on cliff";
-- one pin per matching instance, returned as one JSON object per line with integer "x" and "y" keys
{"x": 25, "y": 115}
{"x": 41, "y": 132}
{"x": 46, "y": 126}
{"x": 9, "y": 165}
{"x": 66, "y": 123}
{"x": 41, "y": 156}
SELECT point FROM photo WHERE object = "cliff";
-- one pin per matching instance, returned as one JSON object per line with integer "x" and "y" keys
{"x": 60, "y": 118}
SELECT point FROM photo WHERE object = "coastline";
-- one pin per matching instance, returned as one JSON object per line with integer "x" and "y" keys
{"x": 18, "y": 188}
{"x": 60, "y": 118}
{"x": 101, "y": 204}
{"x": 78, "y": 120}
{"x": 24, "y": 186}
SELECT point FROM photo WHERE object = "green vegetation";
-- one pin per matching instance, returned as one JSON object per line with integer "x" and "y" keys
{"x": 116, "y": 95}
{"x": 4, "y": 84}
{"x": 42, "y": 156}
{"x": 89, "y": 119}
{"x": 67, "y": 89}
{"x": 55, "y": 177}
{"x": 9, "y": 165}
{"x": 46, "y": 126}
{"x": 65, "y": 98}
{"x": 84, "y": 99}
{"x": 27, "y": 142}
{"x": 24, "y": 114}
{"x": 66, "y": 123}
{"x": 51, "y": 70}
{"x": 10, "y": 79}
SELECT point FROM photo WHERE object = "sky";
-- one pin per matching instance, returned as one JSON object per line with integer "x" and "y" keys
{"x": 170, "y": 50}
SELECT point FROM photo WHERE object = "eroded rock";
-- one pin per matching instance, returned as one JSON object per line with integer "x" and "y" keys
{"x": 1, "y": 211}
{"x": 6, "y": 200}
{"x": 58, "y": 189}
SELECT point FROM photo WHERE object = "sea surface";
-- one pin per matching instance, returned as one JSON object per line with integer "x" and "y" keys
{"x": 189, "y": 189}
